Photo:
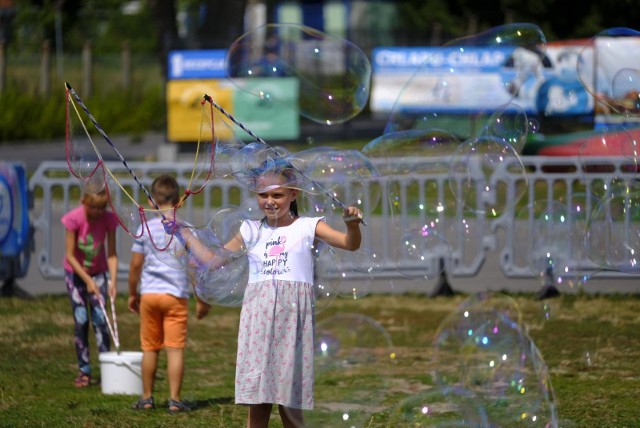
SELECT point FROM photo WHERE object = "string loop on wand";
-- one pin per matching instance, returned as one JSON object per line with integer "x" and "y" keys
{"x": 73, "y": 93}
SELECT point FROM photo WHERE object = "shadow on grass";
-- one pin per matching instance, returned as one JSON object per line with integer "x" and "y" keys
{"x": 201, "y": 404}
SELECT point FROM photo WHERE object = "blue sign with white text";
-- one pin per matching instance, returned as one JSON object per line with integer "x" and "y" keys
{"x": 197, "y": 64}
{"x": 387, "y": 60}
{"x": 469, "y": 79}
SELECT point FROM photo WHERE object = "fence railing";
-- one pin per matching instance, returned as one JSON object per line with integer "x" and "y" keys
{"x": 463, "y": 241}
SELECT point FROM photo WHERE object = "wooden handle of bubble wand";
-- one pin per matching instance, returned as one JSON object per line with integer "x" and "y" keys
{"x": 260, "y": 140}
{"x": 115, "y": 323}
{"x": 114, "y": 332}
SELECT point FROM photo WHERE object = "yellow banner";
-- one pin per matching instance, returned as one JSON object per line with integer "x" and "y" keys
{"x": 186, "y": 120}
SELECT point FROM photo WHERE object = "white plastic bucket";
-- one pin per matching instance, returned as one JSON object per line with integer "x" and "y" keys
{"x": 121, "y": 373}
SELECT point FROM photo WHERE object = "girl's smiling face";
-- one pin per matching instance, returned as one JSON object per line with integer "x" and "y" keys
{"x": 275, "y": 201}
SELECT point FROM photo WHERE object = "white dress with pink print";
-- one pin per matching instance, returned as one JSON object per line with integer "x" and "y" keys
{"x": 277, "y": 321}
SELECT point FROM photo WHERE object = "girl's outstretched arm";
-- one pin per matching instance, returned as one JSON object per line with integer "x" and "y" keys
{"x": 199, "y": 250}
{"x": 347, "y": 241}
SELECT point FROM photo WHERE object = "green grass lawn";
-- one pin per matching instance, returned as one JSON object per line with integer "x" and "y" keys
{"x": 385, "y": 365}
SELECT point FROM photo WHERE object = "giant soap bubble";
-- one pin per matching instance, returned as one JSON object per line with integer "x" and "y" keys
{"x": 438, "y": 407}
{"x": 350, "y": 349}
{"x": 473, "y": 135}
{"x": 488, "y": 176}
{"x": 440, "y": 94}
{"x": 346, "y": 175}
{"x": 613, "y": 236}
{"x": 483, "y": 348}
{"x": 551, "y": 238}
{"x": 415, "y": 164}
{"x": 220, "y": 274}
{"x": 333, "y": 74}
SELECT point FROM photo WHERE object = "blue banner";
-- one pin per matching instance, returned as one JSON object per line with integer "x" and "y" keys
{"x": 464, "y": 80}
{"x": 389, "y": 60}
{"x": 197, "y": 64}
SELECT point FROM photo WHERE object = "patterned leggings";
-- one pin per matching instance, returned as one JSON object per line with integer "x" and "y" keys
{"x": 81, "y": 300}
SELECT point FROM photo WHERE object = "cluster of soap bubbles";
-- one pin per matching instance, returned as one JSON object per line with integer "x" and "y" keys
{"x": 597, "y": 215}
{"x": 497, "y": 364}
{"x": 466, "y": 151}
{"x": 487, "y": 370}
{"x": 611, "y": 233}
{"x": 327, "y": 181}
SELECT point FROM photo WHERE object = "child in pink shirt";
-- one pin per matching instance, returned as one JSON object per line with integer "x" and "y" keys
{"x": 86, "y": 264}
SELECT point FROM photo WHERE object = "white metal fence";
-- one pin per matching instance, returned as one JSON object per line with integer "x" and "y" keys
{"x": 463, "y": 241}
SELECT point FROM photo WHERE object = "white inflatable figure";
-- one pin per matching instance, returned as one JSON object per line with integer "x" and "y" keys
{"x": 529, "y": 75}
{"x": 559, "y": 101}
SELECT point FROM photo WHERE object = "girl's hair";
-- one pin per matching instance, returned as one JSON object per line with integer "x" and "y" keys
{"x": 165, "y": 190}
{"x": 293, "y": 207}
{"x": 98, "y": 197}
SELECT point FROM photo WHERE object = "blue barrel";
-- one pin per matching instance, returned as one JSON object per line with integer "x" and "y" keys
{"x": 16, "y": 231}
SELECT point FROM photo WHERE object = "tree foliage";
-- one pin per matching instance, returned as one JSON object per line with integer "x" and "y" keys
{"x": 157, "y": 26}
{"x": 457, "y": 17}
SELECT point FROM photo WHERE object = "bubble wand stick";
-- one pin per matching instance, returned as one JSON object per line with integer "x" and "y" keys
{"x": 71, "y": 91}
{"x": 172, "y": 224}
{"x": 113, "y": 330}
{"x": 260, "y": 140}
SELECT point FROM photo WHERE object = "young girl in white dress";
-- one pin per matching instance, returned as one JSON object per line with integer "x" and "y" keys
{"x": 277, "y": 321}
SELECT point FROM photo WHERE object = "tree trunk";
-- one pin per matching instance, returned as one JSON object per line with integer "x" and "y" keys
{"x": 164, "y": 13}
{"x": 222, "y": 23}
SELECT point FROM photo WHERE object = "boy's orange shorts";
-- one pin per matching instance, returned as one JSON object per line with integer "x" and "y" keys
{"x": 163, "y": 322}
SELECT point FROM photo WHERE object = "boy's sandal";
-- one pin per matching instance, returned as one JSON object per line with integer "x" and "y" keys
{"x": 83, "y": 380}
{"x": 144, "y": 404}
{"x": 175, "y": 406}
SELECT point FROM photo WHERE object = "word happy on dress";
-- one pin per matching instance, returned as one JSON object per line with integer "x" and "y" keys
{"x": 275, "y": 257}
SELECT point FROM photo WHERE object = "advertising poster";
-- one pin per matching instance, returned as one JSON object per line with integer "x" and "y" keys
{"x": 463, "y": 80}
{"x": 193, "y": 73}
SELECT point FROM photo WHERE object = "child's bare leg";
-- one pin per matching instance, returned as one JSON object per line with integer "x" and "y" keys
{"x": 291, "y": 418}
{"x": 149, "y": 366}
{"x": 202, "y": 308}
{"x": 175, "y": 371}
{"x": 259, "y": 415}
